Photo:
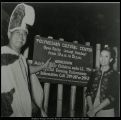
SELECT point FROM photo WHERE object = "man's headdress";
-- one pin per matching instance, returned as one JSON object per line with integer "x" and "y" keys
{"x": 21, "y": 16}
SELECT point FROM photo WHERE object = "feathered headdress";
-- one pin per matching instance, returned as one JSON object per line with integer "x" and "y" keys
{"x": 21, "y": 16}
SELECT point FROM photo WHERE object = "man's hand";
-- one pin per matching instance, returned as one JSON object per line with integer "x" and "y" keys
{"x": 46, "y": 65}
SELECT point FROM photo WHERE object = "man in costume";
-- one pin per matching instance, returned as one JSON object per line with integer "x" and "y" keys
{"x": 16, "y": 96}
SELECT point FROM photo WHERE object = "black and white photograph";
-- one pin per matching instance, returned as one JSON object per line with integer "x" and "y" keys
{"x": 60, "y": 59}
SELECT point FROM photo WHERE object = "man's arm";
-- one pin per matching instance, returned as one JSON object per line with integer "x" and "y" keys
{"x": 33, "y": 69}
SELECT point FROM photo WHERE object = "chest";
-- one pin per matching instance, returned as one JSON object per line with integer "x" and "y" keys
{"x": 103, "y": 81}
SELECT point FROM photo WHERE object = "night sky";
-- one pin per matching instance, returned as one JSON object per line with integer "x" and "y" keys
{"x": 93, "y": 22}
{"x": 84, "y": 22}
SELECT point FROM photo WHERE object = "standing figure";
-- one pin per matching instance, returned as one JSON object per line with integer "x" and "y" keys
{"x": 103, "y": 89}
{"x": 16, "y": 96}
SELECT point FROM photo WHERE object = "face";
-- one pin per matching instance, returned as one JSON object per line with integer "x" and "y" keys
{"x": 105, "y": 58}
{"x": 18, "y": 38}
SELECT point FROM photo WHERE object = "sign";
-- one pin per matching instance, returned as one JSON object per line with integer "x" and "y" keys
{"x": 70, "y": 63}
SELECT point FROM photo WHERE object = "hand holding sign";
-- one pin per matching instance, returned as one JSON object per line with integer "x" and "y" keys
{"x": 46, "y": 65}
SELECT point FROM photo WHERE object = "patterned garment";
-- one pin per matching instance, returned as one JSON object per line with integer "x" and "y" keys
{"x": 109, "y": 87}
{"x": 16, "y": 100}
{"x": 17, "y": 16}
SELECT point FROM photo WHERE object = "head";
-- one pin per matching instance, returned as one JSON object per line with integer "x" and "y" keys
{"x": 107, "y": 57}
{"x": 17, "y": 38}
{"x": 21, "y": 16}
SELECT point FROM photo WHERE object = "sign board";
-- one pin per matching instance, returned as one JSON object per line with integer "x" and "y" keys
{"x": 70, "y": 63}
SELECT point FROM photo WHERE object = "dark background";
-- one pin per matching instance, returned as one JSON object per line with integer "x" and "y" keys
{"x": 93, "y": 22}
{"x": 84, "y": 22}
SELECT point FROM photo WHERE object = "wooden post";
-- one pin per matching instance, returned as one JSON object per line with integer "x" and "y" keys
{"x": 98, "y": 47}
{"x": 59, "y": 96}
{"x": 84, "y": 90}
{"x": 46, "y": 91}
{"x": 59, "y": 100}
{"x": 72, "y": 102}
{"x": 73, "y": 96}
{"x": 46, "y": 96}
{"x": 115, "y": 65}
